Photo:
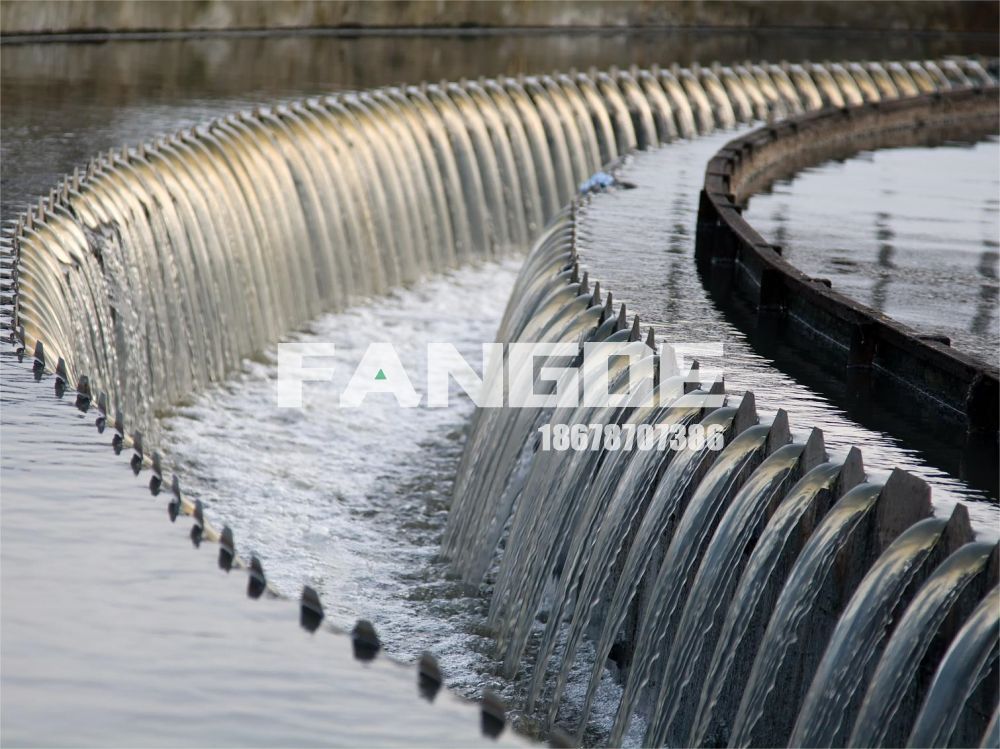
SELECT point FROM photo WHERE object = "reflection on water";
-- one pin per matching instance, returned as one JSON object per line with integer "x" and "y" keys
{"x": 644, "y": 272}
{"x": 63, "y": 103}
{"x": 987, "y": 268}
{"x": 885, "y": 250}
{"x": 911, "y": 232}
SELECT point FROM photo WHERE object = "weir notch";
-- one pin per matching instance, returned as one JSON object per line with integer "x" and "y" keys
{"x": 310, "y": 609}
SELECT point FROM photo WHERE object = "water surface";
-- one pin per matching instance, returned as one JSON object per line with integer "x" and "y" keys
{"x": 117, "y": 632}
{"x": 911, "y": 232}
{"x": 114, "y": 630}
{"x": 640, "y": 245}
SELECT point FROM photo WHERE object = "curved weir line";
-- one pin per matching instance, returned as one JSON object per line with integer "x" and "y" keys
{"x": 876, "y": 353}
{"x": 705, "y": 536}
{"x": 162, "y": 266}
{"x": 365, "y": 641}
{"x": 323, "y": 180}
{"x": 174, "y": 242}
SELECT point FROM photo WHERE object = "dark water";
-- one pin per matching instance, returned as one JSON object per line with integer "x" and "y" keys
{"x": 913, "y": 233}
{"x": 114, "y": 630}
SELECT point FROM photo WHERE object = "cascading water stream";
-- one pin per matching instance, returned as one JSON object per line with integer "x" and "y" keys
{"x": 830, "y": 704}
{"x": 567, "y": 325}
{"x": 257, "y": 221}
{"x": 811, "y": 496}
{"x": 546, "y": 473}
{"x": 991, "y": 736}
{"x": 513, "y": 628}
{"x": 970, "y": 661}
{"x": 671, "y": 586}
{"x": 567, "y": 532}
{"x": 896, "y": 671}
{"x": 158, "y": 270}
{"x": 665, "y": 507}
{"x": 713, "y": 584}
{"x": 610, "y": 511}
{"x": 796, "y": 600}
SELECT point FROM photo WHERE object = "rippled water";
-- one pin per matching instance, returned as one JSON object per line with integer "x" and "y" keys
{"x": 911, "y": 232}
{"x": 640, "y": 245}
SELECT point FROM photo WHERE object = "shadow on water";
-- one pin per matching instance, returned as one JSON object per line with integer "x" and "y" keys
{"x": 910, "y": 232}
{"x": 869, "y": 403}
{"x": 988, "y": 299}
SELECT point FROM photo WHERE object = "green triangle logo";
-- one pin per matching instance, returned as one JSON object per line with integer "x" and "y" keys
{"x": 380, "y": 375}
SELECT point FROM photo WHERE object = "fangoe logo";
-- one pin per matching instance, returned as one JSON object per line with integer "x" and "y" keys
{"x": 514, "y": 375}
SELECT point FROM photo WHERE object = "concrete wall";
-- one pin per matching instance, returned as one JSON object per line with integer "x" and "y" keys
{"x": 877, "y": 353}
{"x": 68, "y": 16}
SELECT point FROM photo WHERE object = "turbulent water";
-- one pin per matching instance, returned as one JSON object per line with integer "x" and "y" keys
{"x": 353, "y": 500}
{"x": 159, "y": 269}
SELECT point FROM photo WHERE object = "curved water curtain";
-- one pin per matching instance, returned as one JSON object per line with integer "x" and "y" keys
{"x": 745, "y": 596}
{"x": 155, "y": 269}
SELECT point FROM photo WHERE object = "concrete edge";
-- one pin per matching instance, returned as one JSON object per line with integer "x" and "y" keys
{"x": 959, "y": 387}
